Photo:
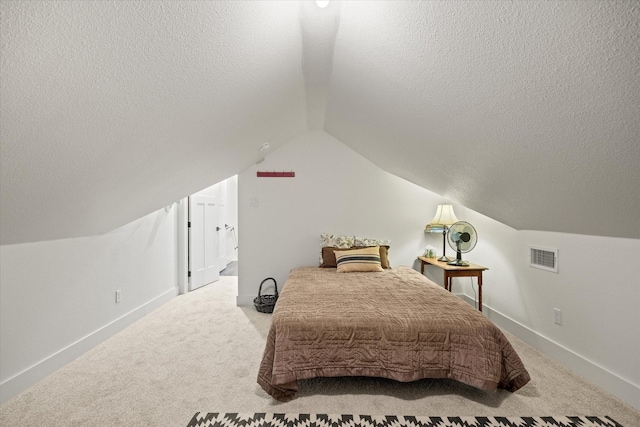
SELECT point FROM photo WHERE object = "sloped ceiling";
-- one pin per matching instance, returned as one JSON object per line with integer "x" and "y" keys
{"x": 113, "y": 109}
{"x": 527, "y": 112}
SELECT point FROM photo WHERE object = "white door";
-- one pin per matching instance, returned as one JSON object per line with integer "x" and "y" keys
{"x": 204, "y": 241}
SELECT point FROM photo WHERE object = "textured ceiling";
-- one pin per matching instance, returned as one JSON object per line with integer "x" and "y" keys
{"x": 113, "y": 109}
{"x": 527, "y": 112}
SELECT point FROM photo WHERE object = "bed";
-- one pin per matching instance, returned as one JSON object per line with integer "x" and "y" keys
{"x": 394, "y": 324}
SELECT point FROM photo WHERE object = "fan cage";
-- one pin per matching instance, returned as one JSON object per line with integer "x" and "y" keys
{"x": 452, "y": 242}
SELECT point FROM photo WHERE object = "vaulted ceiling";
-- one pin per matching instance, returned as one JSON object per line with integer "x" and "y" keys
{"x": 527, "y": 112}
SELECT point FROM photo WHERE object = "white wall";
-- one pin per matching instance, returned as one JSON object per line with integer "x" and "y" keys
{"x": 334, "y": 191}
{"x": 337, "y": 191}
{"x": 596, "y": 288}
{"x": 57, "y": 298}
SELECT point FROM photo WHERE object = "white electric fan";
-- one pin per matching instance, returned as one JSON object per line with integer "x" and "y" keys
{"x": 462, "y": 238}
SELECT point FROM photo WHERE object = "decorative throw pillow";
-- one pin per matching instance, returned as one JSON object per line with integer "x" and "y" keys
{"x": 337, "y": 241}
{"x": 361, "y": 260}
{"x": 328, "y": 258}
{"x": 331, "y": 240}
{"x": 384, "y": 257}
{"x": 364, "y": 241}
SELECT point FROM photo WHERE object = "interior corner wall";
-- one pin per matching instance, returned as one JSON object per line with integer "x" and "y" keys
{"x": 335, "y": 190}
{"x": 57, "y": 298}
{"x": 596, "y": 289}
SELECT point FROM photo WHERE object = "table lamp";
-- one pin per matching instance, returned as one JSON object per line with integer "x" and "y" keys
{"x": 440, "y": 224}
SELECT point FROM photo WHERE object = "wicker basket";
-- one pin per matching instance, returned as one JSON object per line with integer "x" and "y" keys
{"x": 265, "y": 303}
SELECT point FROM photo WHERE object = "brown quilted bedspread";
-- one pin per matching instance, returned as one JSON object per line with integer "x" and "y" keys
{"x": 395, "y": 324}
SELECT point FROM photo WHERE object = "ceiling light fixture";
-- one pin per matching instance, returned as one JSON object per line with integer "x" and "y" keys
{"x": 322, "y": 3}
{"x": 265, "y": 146}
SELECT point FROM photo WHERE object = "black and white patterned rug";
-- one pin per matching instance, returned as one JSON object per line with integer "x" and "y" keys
{"x": 327, "y": 420}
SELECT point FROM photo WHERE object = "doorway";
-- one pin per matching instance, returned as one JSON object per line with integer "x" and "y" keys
{"x": 207, "y": 235}
{"x": 231, "y": 270}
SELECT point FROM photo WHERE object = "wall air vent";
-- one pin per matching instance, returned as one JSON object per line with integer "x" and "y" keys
{"x": 543, "y": 258}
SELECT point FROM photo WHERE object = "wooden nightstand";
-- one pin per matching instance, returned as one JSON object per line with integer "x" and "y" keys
{"x": 451, "y": 271}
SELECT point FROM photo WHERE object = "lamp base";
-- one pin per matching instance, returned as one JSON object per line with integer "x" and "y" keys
{"x": 444, "y": 259}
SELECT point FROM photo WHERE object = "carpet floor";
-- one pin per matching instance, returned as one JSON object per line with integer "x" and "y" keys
{"x": 200, "y": 352}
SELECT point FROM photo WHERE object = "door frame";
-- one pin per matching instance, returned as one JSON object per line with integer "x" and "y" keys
{"x": 183, "y": 246}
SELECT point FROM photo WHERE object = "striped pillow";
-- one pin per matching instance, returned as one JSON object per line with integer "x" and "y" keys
{"x": 365, "y": 259}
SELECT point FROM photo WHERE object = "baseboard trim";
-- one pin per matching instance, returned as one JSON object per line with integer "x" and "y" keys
{"x": 598, "y": 375}
{"x": 18, "y": 383}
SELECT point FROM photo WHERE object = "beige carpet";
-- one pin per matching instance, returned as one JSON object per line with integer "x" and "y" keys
{"x": 200, "y": 352}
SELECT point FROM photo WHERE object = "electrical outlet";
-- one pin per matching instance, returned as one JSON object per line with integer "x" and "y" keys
{"x": 557, "y": 316}
{"x": 118, "y": 295}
